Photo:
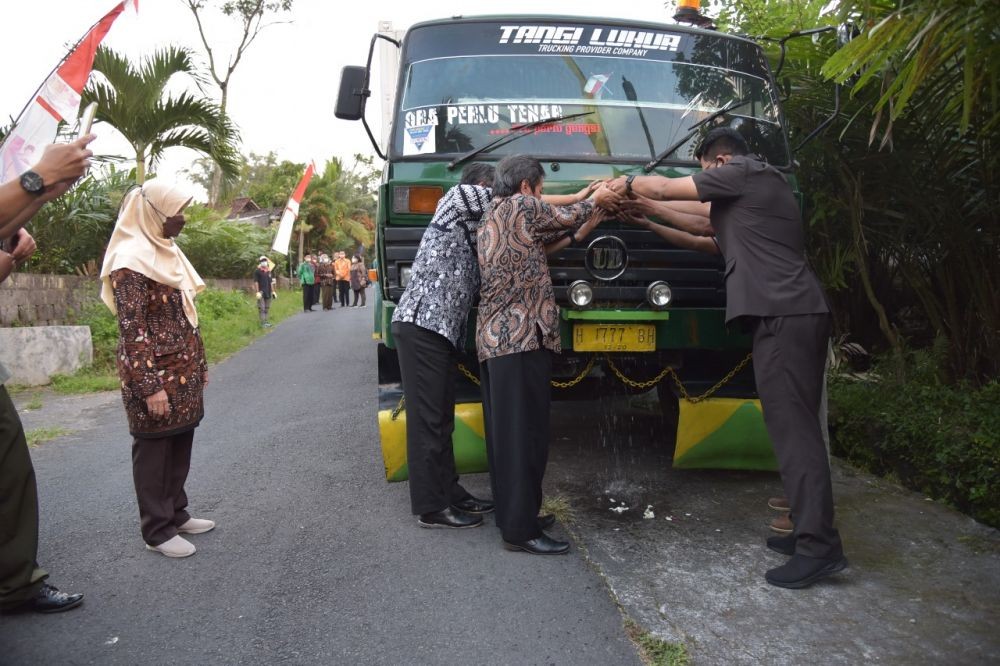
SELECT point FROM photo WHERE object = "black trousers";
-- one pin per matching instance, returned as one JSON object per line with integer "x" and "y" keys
{"x": 344, "y": 292}
{"x": 359, "y": 293}
{"x": 20, "y": 577}
{"x": 516, "y": 399}
{"x": 427, "y": 361}
{"x": 789, "y": 357}
{"x": 159, "y": 469}
{"x": 308, "y": 296}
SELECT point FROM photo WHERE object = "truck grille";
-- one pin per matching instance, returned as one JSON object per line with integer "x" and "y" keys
{"x": 696, "y": 279}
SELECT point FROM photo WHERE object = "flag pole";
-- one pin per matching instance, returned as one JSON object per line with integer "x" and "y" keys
{"x": 48, "y": 76}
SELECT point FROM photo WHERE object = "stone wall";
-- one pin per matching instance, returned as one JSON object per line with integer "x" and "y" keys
{"x": 32, "y": 299}
{"x": 33, "y": 354}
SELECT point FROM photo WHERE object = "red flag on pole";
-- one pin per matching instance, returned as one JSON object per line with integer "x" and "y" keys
{"x": 284, "y": 235}
{"x": 58, "y": 99}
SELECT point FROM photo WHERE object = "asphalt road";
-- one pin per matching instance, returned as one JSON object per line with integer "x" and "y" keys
{"x": 316, "y": 559}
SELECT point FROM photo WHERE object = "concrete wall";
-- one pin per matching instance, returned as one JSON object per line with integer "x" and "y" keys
{"x": 33, "y": 354}
{"x": 31, "y": 299}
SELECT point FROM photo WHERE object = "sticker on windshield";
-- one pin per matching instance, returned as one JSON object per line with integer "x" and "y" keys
{"x": 595, "y": 41}
{"x": 594, "y": 88}
{"x": 420, "y": 118}
{"x": 418, "y": 140}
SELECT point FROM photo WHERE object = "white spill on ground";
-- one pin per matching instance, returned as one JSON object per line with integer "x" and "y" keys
{"x": 648, "y": 513}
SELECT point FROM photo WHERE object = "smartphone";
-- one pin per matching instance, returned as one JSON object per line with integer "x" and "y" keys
{"x": 87, "y": 119}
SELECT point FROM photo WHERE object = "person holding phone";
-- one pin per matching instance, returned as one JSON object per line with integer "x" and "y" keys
{"x": 23, "y": 584}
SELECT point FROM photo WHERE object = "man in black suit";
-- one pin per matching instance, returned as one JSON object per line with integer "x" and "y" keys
{"x": 756, "y": 225}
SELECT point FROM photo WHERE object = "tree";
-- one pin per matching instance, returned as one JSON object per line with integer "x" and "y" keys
{"x": 251, "y": 15}
{"x": 903, "y": 227}
{"x": 134, "y": 100}
{"x": 72, "y": 231}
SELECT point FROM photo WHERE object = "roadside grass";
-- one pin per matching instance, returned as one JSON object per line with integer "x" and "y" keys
{"x": 34, "y": 403}
{"x": 228, "y": 322}
{"x": 655, "y": 651}
{"x": 40, "y": 435}
{"x": 559, "y": 507}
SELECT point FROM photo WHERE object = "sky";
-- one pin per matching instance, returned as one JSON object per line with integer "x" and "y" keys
{"x": 283, "y": 92}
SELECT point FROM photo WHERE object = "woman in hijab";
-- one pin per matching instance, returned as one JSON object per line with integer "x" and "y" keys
{"x": 359, "y": 279}
{"x": 151, "y": 286}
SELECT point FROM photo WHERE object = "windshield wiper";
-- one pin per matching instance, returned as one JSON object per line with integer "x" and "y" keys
{"x": 692, "y": 131}
{"x": 515, "y": 133}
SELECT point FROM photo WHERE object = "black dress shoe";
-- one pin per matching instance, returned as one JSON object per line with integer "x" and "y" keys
{"x": 782, "y": 544}
{"x": 546, "y": 521}
{"x": 543, "y": 545}
{"x": 449, "y": 518}
{"x": 473, "y": 505}
{"x": 802, "y": 571}
{"x": 50, "y": 600}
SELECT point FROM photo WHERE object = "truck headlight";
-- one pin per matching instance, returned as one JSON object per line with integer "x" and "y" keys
{"x": 581, "y": 294}
{"x": 659, "y": 294}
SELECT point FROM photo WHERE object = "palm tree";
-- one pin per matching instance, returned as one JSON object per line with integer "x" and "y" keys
{"x": 134, "y": 101}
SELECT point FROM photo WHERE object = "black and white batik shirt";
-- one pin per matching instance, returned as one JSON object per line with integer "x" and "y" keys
{"x": 444, "y": 278}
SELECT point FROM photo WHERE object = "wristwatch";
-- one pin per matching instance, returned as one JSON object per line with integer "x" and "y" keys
{"x": 32, "y": 182}
{"x": 571, "y": 235}
{"x": 628, "y": 184}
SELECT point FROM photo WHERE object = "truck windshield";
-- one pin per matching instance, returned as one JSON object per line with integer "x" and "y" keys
{"x": 636, "y": 101}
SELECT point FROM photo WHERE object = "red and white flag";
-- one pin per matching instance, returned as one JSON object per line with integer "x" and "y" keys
{"x": 284, "y": 235}
{"x": 58, "y": 99}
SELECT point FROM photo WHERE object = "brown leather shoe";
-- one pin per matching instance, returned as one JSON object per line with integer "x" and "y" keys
{"x": 782, "y": 524}
{"x": 779, "y": 504}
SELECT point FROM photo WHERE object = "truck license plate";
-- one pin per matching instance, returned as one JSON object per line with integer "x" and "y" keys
{"x": 614, "y": 337}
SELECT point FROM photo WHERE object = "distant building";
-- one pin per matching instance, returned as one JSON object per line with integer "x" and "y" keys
{"x": 244, "y": 209}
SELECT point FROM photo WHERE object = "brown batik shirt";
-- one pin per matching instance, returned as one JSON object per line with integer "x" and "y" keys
{"x": 157, "y": 349}
{"x": 517, "y": 306}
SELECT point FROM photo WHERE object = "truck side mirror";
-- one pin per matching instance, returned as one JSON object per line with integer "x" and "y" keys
{"x": 353, "y": 93}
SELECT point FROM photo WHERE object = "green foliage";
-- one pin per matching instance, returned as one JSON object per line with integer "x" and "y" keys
{"x": 939, "y": 439}
{"x": 135, "y": 101}
{"x": 220, "y": 248}
{"x": 935, "y": 58}
{"x": 655, "y": 651}
{"x": 227, "y": 319}
{"x": 103, "y": 333}
{"x": 907, "y": 233}
{"x": 40, "y": 435}
{"x": 73, "y": 231}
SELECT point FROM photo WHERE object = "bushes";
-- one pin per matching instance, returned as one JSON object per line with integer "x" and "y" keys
{"x": 219, "y": 248}
{"x": 941, "y": 440}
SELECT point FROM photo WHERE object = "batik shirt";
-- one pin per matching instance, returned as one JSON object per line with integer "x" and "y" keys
{"x": 444, "y": 278}
{"x": 158, "y": 349}
{"x": 517, "y": 305}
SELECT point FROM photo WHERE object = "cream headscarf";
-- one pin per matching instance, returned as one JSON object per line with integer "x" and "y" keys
{"x": 137, "y": 243}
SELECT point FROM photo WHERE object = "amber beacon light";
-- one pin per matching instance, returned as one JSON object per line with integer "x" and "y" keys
{"x": 689, "y": 11}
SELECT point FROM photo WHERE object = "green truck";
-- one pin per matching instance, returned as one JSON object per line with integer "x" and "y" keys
{"x": 591, "y": 99}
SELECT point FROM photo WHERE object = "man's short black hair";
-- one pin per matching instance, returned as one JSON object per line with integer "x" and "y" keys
{"x": 512, "y": 170}
{"x": 722, "y": 141}
{"x": 478, "y": 173}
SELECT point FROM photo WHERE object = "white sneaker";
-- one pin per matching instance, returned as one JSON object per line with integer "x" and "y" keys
{"x": 196, "y": 526}
{"x": 175, "y": 547}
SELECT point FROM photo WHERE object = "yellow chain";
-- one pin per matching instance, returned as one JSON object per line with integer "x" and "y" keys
{"x": 648, "y": 384}
{"x": 579, "y": 378}
{"x": 573, "y": 382}
{"x": 680, "y": 387}
{"x": 631, "y": 382}
{"x": 400, "y": 407}
{"x": 468, "y": 375}
{"x": 722, "y": 382}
